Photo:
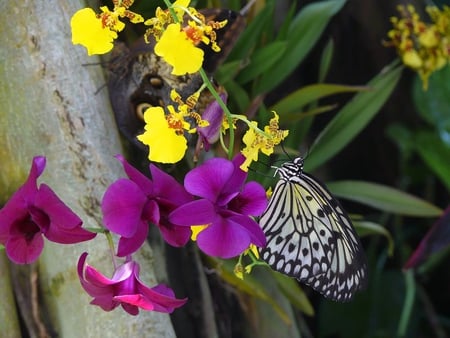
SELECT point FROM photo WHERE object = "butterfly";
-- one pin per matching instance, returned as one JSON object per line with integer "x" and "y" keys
{"x": 310, "y": 237}
{"x": 139, "y": 79}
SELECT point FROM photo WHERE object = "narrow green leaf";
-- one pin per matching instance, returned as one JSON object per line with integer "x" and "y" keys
{"x": 435, "y": 153}
{"x": 293, "y": 103}
{"x": 353, "y": 117}
{"x": 250, "y": 37}
{"x": 365, "y": 228}
{"x": 325, "y": 60}
{"x": 312, "y": 112}
{"x": 294, "y": 293}
{"x": 305, "y": 30}
{"x": 238, "y": 95}
{"x": 262, "y": 60}
{"x": 248, "y": 285}
{"x": 384, "y": 198}
{"x": 227, "y": 71}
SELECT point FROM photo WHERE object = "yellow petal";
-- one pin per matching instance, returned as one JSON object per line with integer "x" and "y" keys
{"x": 87, "y": 31}
{"x": 196, "y": 229}
{"x": 166, "y": 146}
{"x": 412, "y": 59}
{"x": 179, "y": 51}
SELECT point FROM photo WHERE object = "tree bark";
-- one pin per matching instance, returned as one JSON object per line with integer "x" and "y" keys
{"x": 50, "y": 106}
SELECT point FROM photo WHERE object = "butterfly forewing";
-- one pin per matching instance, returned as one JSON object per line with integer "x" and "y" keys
{"x": 310, "y": 237}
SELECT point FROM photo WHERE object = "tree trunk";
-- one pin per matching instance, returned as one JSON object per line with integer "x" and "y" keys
{"x": 49, "y": 106}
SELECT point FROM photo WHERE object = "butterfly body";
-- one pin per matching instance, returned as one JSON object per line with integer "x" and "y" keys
{"x": 310, "y": 237}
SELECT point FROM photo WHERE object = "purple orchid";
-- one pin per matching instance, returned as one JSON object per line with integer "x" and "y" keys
{"x": 214, "y": 115}
{"x": 34, "y": 212}
{"x": 128, "y": 204}
{"x": 225, "y": 206}
{"x": 125, "y": 289}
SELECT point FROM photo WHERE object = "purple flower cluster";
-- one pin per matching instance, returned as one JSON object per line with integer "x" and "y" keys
{"x": 214, "y": 195}
{"x": 125, "y": 289}
{"x": 225, "y": 206}
{"x": 129, "y": 204}
{"x": 33, "y": 213}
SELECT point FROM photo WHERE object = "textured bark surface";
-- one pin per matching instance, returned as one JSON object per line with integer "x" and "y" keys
{"x": 49, "y": 106}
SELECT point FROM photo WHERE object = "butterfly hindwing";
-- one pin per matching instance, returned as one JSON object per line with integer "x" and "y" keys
{"x": 310, "y": 237}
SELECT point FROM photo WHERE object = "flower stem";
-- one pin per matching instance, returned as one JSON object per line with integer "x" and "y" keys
{"x": 111, "y": 247}
{"x": 171, "y": 10}
{"x": 224, "y": 108}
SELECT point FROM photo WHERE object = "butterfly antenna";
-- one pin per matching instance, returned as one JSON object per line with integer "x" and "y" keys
{"x": 285, "y": 151}
{"x": 247, "y": 7}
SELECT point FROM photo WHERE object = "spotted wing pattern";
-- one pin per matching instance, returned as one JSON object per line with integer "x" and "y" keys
{"x": 310, "y": 237}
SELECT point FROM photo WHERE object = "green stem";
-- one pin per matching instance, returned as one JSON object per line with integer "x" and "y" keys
{"x": 171, "y": 10}
{"x": 222, "y": 105}
{"x": 408, "y": 304}
{"x": 111, "y": 247}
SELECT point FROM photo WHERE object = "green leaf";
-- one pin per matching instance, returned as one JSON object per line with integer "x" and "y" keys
{"x": 325, "y": 60}
{"x": 293, "y": 104}
{"x": 294, "y": 293}
{"x": 305, "y": 30}
{"x": 353, "y": 117}
{"x": 433, "y": 103}
{"x": 249, "y": 38}
{"x": 384, "y": 198}
{"x": 238, "y": 95}
{"x": 366, "y": 228}
{"x": 248, "y": 285}
{"x": 227, "y": 71}
{"x": 262, "y": 60}
{"x": 435, "y": 153}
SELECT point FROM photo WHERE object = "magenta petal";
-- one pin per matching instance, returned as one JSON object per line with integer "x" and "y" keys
{"x": 128, "y": 246}
{"x": 223, "y": 239}
{"x": 165, "y": 186}
{"x": 10, "y": 215}
{"x": 251, "y": 201}
{"x": 76, "y": 235}
{"x": 175, "y": 235}
{"x": 436, "y": 239}
{"x": 17, "y": 206}
{"x": 255, "y": 232}
{"x": 136, "y": 176}
{"x": 24, "y": 251}
{"x": 136, "y": 300}
{"x": 214, "y": 115}
{"x": 162, "y": 297}
{"x": 194, "y": 213}
{"x": 122, "y": 207}
{"x": 106, "y": 302}
{"x": 236, "y": 180}
{"x": 37, "y": 168}
{"x": 131, "y": 309}
{"x": 209, "y": 179}
{"x": 59, "y": 213}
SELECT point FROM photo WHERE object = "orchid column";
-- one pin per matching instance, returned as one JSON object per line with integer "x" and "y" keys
{"x": 49, "y": 108}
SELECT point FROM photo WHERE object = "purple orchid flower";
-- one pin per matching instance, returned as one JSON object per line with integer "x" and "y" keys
{"x": 214, "y": 115}
{"x": 125, "y": 289}
{"x": 34, "y": 212}
{"x": 225, "y": 206}
{"x": 128, "y": 204}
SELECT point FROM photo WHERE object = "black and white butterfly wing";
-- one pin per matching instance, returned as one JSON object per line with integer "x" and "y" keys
{"x": 310, "y": 237}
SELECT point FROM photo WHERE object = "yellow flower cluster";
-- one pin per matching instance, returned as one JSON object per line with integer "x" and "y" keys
{"x": 178, "y": 31}
{"x": 97, "y": 32}
{"x": 424, "y": 47}
{"x": 257, "y": 141}
{"x": 176, "y": 42}
{"x": 164, "y": 133}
